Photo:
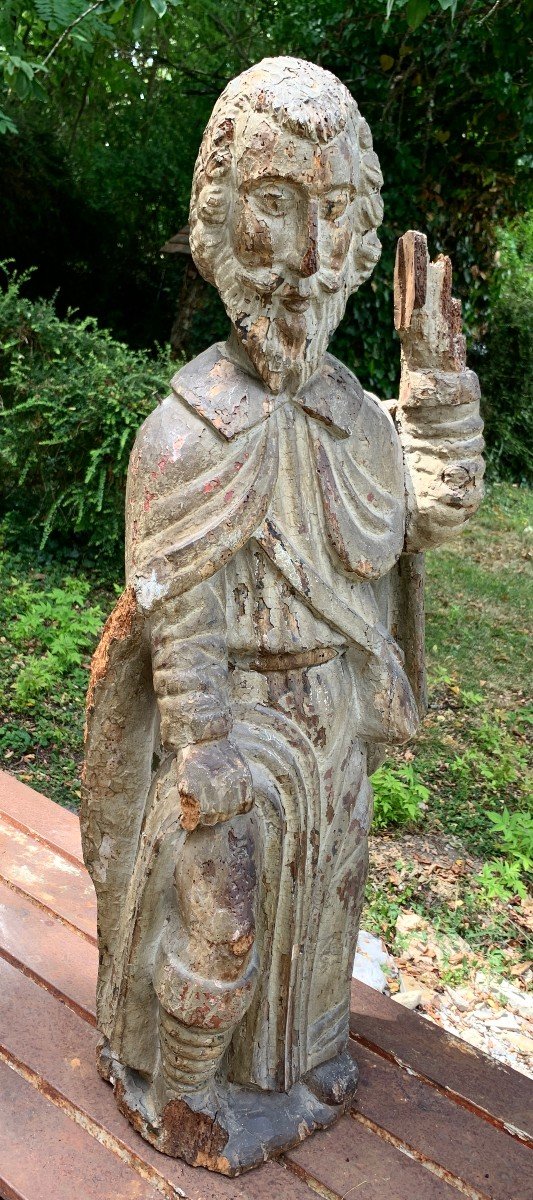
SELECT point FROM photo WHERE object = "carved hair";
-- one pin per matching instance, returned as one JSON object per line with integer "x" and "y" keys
{"x": 309, "y": 102}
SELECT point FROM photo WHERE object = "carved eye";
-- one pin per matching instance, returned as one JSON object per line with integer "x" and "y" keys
{"x": 273, "y": 201}
{"x": 334, "y": 204}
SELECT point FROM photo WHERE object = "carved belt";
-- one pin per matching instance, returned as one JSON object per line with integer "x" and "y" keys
{"x": 293, "y": 660}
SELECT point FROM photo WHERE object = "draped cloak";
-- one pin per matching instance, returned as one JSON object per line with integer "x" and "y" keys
{"x": 315, "y": 485}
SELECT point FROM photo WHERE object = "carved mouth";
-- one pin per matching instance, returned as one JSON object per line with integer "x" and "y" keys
{"x": 295, "y": 302}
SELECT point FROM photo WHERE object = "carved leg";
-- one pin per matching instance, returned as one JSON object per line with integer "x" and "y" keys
{"x": 205, "y": 968}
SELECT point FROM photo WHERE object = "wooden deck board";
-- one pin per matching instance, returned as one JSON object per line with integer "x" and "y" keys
{"x": 452, "y": 1137}
{"x": 47, "y": 1156}
{"x": 433, "y": 1118}
{"x": 39, "y": 816}
{"x": 466, "y": 1074}
{"x": 348, "y": 1159}
{"x": 51, "y": 953}
{"x": 58, "y": 884}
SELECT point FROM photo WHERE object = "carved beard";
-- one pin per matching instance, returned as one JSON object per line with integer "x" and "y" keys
{"x": 285, "y": 347}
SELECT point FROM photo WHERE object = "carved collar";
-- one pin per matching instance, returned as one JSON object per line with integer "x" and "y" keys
{"x": 232, "y": 401}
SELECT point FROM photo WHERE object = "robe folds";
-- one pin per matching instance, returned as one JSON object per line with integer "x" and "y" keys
{"x": 261, "y": 531}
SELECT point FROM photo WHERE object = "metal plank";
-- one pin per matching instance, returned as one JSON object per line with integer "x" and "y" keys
{"x": 46, "y": 1156}
{"x": 47, "y": 1040}
{"x": 41, "y": 817}
{"x": 468, "y": 1076}
{"x": 62, "y": 960}
{"x": 349, "y": 1160}
{"x": 483, "y": 1157}
{"x": 55, "y": 882}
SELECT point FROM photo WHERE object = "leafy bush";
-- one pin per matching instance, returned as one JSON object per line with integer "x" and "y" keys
{"x": 53, "y": 631}
{"x": 50, "y": 619}
{"x": 505, "y": 877}
{"x": 507, "y": 370}
{"x": 72, "y": 401}
{"x": 398, "y": 796}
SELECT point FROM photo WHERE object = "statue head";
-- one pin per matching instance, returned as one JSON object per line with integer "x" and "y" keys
{"x": 284, "y": 211}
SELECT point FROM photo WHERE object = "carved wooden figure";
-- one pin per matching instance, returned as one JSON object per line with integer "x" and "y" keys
{"x": 269, "y": 643}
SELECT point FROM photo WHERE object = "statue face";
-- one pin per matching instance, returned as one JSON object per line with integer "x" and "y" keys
{"x": 284, "y": 211}
{"x": 291, "y": 232}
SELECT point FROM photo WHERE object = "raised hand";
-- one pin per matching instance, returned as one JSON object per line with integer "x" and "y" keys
{"x": 426, "y": 316}
{"x": 437, "y": 414}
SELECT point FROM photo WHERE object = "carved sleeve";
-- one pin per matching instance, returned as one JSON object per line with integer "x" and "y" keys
{"x": 190, "y": 666}
{"x": 440, "y": 430}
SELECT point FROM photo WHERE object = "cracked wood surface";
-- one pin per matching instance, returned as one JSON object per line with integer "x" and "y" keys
{"x": 269, "y": 644}
{"x": 433, "y": 1118}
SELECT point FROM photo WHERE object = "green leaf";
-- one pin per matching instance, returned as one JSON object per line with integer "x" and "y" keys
{"x": 21, "y": 85}
{"x": 159, "y": 6}
{"x": 416, "y": 12}
{"x": 144, "y": 18}
{"x": 117, "y": 16}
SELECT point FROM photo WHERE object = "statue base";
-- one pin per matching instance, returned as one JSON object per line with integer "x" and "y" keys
{"x": 229, "y": 1128}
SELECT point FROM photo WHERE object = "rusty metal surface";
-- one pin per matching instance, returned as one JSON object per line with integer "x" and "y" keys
{"x": 406, "y": 1139}
{"x": 45, "y": 1156}
{"x": 57, "y": 1049}
{"x": 40, "y": 817}
{"x": 62, "y": 960}
{"x": 460, "y": 1142}
{"x": 351, "y": 1161}
{"x": 464, "y": 1073}
{"x": 55, "y": 882}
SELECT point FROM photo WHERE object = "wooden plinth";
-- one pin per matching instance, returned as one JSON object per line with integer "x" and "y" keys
{"x": 433, "y": 1117}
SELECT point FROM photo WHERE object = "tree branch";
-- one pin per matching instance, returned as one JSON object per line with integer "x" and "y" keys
{"x": 69, "y": 29}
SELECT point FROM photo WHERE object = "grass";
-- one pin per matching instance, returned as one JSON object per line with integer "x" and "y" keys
{"x": 474, "y": 752}
{"x": 472, "y": 757}
{"x": 52, "y": 612}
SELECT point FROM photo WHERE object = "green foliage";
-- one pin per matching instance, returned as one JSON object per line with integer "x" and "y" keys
{"x": 50, "y": 621}
{"x": 515, "y": 830}
{"x": 507, "y": 371}
{"x": 46, "y": 25}
{"x": 505, "y": 877}
{"x": 73, "y": 399}
{"x": 501, "y": 880}
{"x": 399, "y": 796}
{"x": 445, "y": 88}
{"x": 53, "y": 631}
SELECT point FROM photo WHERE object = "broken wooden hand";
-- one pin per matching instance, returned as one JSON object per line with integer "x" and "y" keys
{"x": 438, "y": 408}
{"x": 214, "y": 783}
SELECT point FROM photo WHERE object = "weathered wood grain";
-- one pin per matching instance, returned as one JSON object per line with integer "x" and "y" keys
{"x": 269, "y": 642}
{"x": 467, "y": 1075}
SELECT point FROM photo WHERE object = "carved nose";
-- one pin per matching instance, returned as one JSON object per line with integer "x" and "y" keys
{"x": 308, "y": 262}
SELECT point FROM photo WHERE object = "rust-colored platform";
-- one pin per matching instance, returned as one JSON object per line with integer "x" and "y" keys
{"x": 433, "y": 1119}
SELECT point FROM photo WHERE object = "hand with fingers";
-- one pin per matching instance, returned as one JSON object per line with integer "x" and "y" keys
{"x": 214, "y": 783}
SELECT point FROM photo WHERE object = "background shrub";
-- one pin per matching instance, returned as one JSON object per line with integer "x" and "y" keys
{"x": 72, "y": 399}
{"x": 506, "y": 368}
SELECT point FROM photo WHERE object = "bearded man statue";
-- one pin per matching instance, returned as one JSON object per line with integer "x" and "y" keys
{"x": 269, "y": 641}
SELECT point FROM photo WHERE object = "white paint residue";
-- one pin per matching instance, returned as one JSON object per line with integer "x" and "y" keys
{"x": 100, "y": 867}
{"x": 148, "y": 590}
{"x": 23, "y": 874}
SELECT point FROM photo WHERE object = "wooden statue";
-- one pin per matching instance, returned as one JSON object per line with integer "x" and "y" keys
{"x": 269, "y": 643}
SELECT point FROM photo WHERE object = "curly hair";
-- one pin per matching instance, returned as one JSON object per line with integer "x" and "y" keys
{"x": 310, "y": 103}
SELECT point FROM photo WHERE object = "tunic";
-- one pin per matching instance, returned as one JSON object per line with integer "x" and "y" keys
{"x": 263, "y": 540}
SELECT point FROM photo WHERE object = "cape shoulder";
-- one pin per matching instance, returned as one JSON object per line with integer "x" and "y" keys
{"x": 231, "y": 401}
{"x": 192, "y": 498}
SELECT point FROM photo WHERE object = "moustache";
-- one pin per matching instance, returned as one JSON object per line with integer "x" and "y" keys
{"x": 270, "y": 285}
